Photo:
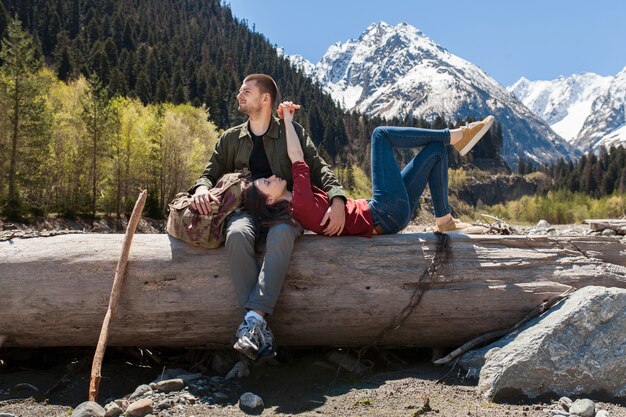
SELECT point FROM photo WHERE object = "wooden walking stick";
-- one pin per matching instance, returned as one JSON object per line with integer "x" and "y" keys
{"x": 94, "y": 382}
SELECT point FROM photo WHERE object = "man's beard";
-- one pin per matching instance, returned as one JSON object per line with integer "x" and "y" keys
{"x": 248, "y": 109}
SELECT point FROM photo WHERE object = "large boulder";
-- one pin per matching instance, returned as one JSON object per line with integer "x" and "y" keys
{"x": 88, "y": 409}
{"x": 577, "y": 348}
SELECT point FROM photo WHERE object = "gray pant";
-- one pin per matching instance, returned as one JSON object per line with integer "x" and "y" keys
{"x": 258, "y": 289}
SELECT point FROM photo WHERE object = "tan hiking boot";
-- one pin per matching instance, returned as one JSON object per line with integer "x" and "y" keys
{"x": 452, "y": 225}
{"x": 472, "y": 133}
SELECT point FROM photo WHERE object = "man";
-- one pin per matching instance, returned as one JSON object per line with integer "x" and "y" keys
{"x": 260, "y": 145}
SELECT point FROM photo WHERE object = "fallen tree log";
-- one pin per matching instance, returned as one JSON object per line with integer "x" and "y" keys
{"x": 339, "y": 291}
{"x": 619, "y": 225}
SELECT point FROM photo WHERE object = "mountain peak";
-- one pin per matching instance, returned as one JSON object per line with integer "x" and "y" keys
{"x": 397, "y": 71}
{"x": 564, "y": 102}
{"x": 383, "y": 31}
{"x": 378, "y": 27}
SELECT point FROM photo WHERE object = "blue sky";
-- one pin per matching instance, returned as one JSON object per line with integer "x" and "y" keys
{"x": 508, "y": 39}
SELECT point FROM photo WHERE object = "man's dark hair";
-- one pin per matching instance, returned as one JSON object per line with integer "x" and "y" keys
{"x": 266, "y": 84}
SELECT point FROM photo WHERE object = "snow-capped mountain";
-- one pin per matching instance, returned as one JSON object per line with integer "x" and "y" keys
{"x": 586, "y": 109}
{"x": 605, "y": 124}
{"x": 615, "y": 138}
{"x": 397, "y": 71}
{"x": 299, "y": 62}
{"x": 565, "y": 102}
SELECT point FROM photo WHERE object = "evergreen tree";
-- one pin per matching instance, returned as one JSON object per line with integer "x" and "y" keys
{"x": 74, "y": 26}
{"x": 621, "y": 188}
{"x": 62, "y": 57}
{"x": 117, "y": 83}
{"x": 128, "y": 41}
{"x": 25, "y": 112}
{"x": 4, "y": 19}
{"x": 521, "y": 166}
{"x": 142, "y": 88}
{"x": 162, "y": 91}
{"x": 350, "y": 181}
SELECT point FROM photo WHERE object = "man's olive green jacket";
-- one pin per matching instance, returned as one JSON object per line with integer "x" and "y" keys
{"x": 234, "y": 147}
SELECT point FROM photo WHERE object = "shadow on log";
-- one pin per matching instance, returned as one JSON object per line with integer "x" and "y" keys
{"x": 338, "y": 291}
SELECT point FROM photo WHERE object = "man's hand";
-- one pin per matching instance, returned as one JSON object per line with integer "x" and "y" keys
{"x": 201, "y": 200}
{"x": 337, "y": 215}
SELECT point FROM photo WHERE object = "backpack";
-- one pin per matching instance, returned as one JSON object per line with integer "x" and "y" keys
{"x": 207, "y": 230}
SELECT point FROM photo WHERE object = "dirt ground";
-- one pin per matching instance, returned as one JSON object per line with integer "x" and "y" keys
{"x": 301, "y": 382}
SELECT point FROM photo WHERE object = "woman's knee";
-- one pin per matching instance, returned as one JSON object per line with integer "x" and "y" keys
{"x": 379, "y": 132}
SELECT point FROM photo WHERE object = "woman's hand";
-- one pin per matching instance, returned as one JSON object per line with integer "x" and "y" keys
{"x": 286, "y": 110}
{"x": 335, "y": 216}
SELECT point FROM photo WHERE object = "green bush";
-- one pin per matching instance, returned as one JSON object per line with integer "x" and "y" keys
{"x": 557, "y": 207}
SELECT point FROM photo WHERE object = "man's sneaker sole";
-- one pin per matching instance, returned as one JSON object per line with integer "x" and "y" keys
{"x": 468, "y": 147}
{"x": 245, "y": 346}
{"x": 267, "y": 352}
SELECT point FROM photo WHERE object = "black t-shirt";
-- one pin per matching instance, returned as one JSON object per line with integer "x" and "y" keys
{"x": 259, "y": 164}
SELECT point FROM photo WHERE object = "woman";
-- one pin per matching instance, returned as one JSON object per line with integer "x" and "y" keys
{"x": 395, "y": 193}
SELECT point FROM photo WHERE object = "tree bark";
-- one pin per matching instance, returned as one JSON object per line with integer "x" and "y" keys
{"x": 338, "y": 291}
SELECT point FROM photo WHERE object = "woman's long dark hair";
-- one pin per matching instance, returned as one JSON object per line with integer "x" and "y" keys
{"x": 267, "y": 214}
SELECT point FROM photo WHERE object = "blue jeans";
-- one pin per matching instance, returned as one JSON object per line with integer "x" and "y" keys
{"x": 395, "y": 194}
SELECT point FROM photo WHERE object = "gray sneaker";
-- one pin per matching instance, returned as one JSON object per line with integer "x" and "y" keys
{"x": 255, "y": 339}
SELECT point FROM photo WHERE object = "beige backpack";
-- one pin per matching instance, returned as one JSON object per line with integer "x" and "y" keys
{"x": 207, "y": 230}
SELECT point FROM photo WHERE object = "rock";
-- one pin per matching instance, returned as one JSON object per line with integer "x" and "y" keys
{"x": 222, "y": 362}
{"x": 542, "y": 224}
{"x": 168, "y": 385}
{"x": 9, "y": 226}
{"x": 174, "y": 373}
{"x": 347, "y": 362}
{"x": 24, "y": 387}
{"x": 240, "y": 370}
{"x": 602, "y": 413}
{"x": 220, "y": 396}
{"x": 189, "y": 398}
{"x": 139, "y": 391}
{"x": 167, "y": 403}
{"x": 608, "y": 232}
{"x": 217, "y": 379}
{"x": 6, "y": 415}
{"x": 122, "y": 403}
{"x": 112, "y": 409}
{"x": 250, "y": 401}
{"x": 88, "y": 409}
{"x": 574, "y": 349}
{"x": 140, "y": 408}
{"x": 565, "y": 403}
{"x": 583, "y": 408}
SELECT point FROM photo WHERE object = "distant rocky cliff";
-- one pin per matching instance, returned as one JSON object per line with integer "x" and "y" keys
{"x": 498, "y": 189}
